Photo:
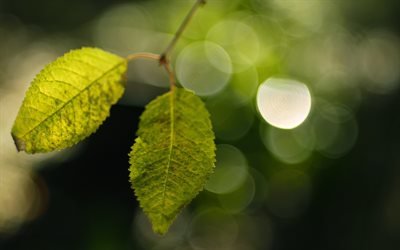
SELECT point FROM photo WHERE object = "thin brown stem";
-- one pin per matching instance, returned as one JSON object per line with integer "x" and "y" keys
{"x": 171, "y": 75}
{"x": 182, "y": 27}
{"x": 143, "y": 55}
{"x": 167, "y": 66}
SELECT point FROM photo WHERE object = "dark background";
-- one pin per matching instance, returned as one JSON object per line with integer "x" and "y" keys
{"x": 355, "y": 202}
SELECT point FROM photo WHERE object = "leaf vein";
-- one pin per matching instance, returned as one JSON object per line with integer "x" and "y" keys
{"x": 50, "y": 96}
{"x": 62, "y": 82}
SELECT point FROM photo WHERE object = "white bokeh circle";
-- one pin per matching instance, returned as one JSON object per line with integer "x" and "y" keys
{"x": 283, "y": 103}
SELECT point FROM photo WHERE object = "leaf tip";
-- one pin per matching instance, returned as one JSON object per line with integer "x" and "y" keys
{"x": 160, "y": 223}
{"x": 19, "y": 144}
{"x": 160, "y": 230}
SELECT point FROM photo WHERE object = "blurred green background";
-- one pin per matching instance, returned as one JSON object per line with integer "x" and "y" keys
{"x": 331, "y": 183}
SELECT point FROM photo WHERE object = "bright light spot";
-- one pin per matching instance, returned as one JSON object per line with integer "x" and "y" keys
{"x": 230, "y": 171}
{"x": 204, "y": 67}
{"x": 283, "y": 103}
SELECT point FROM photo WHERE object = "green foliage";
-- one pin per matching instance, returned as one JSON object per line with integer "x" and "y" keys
{"x": 69, "y": 99}
{"x": 173, "y": 155}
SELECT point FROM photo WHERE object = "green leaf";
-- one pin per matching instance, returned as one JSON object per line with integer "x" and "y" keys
{"x": 173, "y": 155}
{"x": 68, "y": 100}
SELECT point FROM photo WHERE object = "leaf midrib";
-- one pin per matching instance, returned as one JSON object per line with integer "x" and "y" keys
{"x": 72, "y": 99}
{"x": 172, "y": 138}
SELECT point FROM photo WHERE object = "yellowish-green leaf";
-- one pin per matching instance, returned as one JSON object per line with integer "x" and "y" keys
{"x": 172, "y": 157}
{"x": 69, "y": 99}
